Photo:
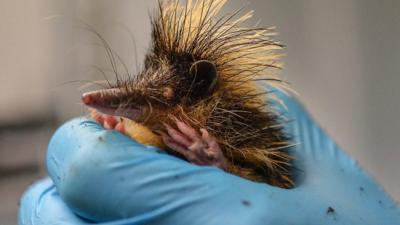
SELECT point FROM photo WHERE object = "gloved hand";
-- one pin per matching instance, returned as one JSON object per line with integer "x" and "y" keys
{"x": 100, "y": 176}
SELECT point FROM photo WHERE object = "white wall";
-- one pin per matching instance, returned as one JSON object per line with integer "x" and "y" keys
{"x": 23, "y": 53}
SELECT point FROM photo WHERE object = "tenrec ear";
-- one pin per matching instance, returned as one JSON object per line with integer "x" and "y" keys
{"x": 205, "y": 75}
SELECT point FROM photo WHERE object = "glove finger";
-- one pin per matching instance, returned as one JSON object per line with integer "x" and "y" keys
{"x": 323, "y": 168}
{"x": 41, "y": 204}
{"x": 105, "y": 176}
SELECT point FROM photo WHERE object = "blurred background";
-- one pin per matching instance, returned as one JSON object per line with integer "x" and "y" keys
{"x": 342, "y": 57}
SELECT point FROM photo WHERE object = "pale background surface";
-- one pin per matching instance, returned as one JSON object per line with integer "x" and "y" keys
{"x": 342, "y": 57}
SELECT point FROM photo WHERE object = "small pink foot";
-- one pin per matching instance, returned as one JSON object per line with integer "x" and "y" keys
{"x": 200, "y": 150}
{"x": 108, "y": 122}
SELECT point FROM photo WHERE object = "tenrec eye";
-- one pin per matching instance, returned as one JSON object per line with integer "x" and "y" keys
{"x": 168, "y": 93}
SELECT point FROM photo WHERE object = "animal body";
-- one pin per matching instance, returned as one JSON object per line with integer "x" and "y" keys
{"x": 198, "y": 94}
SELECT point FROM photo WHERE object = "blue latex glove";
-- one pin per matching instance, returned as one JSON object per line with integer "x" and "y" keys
{"x": 103, "y": 176}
